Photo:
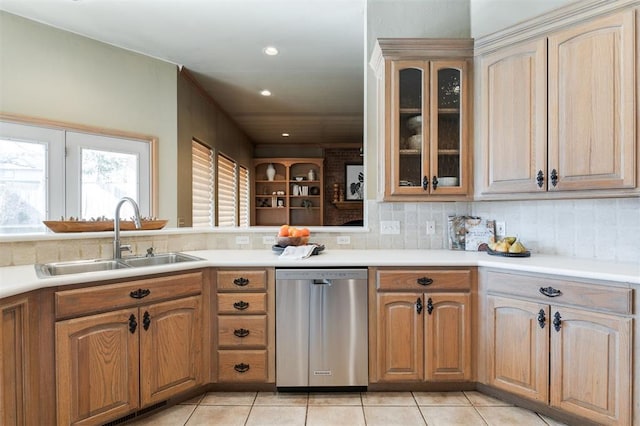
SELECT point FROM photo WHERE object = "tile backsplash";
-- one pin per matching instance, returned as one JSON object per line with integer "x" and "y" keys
{"x": 604, "y": 229}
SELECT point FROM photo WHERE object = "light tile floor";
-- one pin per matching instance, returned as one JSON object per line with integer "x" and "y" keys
{"x": 352, "y": 409}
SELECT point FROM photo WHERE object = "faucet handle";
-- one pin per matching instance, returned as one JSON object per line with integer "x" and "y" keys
{"x": 150, "y": 252}
{"x": 125, "y": 247}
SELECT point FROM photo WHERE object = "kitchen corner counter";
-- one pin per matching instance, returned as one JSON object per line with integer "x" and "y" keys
{"x": 20, "y": 279}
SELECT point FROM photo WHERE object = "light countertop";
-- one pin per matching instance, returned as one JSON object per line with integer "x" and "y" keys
{"x": 20, "y": 279}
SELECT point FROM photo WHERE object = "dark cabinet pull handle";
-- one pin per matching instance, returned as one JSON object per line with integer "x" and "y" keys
{"x": 434, "y": 183}
{"x": 133, "y": 324}
{"x": 550, "y": 291}
{"x": 241, "y": 305}
{"x": 241, "y": 332}
{"x": 425, "y": 281}
{"x": 241, "y": 368}
{"x": 429, "y": 306}
{"x": 140, "y": 293}
{"x": 146, "y": 320}
{"x": 425, "y": 183}
{"x": 241, "y": 282}
{"x": 419, "y": 306}
{"x": 542, "y": 319}
{"x": 540, "y": 178}
{"x": 554, "y": 177}
{"x": 557, "y": 321}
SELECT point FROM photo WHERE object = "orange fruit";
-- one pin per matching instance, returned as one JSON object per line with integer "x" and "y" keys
{"x": 284, "y": 231}
{"x": 304, "y": 232}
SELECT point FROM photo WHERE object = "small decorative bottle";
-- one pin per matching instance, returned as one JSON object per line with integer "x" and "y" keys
{"x": 271, "y": 171}
{"x": 312, "y": 174}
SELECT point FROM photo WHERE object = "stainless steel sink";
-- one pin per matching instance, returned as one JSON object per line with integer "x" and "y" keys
{"x": 79, "y": 266}
{"x": 159, "y": 259}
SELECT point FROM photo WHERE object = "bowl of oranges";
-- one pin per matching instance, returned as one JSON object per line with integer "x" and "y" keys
{"x": 292, "y": 236}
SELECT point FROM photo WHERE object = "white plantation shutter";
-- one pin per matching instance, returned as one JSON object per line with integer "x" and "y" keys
{"x": 243, "y": 197}
{"x": 227, "y": 192}
{"x": 202, "y": 185}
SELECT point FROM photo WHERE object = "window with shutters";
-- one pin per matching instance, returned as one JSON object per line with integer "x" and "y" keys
{"x": 243, "y": 197}
{"x": 227, "y": 205}
{"x": 202, "y": 185}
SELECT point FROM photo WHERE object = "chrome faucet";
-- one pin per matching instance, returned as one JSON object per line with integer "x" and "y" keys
{"x": 117, "y": 248}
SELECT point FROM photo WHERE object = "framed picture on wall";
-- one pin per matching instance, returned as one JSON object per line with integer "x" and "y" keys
{"x": 354, "y": 182}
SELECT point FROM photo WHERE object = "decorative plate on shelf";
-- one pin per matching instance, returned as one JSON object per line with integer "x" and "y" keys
{"x": 507, "y": 254}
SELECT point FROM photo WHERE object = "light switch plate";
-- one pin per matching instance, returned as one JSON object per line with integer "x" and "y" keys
{"x": 431, "y": 227}
{"x": 242, "y": 240}
{"x": 343, "y": 239}
{"x": 501, "y": 229}
{"x": 268, "y": 240}
{"x": 389, "y": 227}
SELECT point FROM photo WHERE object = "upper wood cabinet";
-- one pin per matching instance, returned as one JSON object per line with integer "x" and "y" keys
{"x": 424, "y": 90}
{"x": 557, "y": 112}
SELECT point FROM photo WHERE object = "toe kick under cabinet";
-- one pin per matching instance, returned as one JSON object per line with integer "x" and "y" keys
{"x": 420, "y": 325}
{"x": 245, "y": 327}
{"x": 563, "y": 343}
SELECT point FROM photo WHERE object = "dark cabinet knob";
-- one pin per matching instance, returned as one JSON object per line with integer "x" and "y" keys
{"x": 540, "y": 178}
{"x": 424, "y": 281}
{"x": 241, "y": 305}
{"x": 241, "y": 332}
{"x": 429, "y": 306}
{"x": 146, "y": 320}
{"x": 557, "y": 321}
{"x": 550, "y": 292}
{"x": 541, "y": 318}
{"x": 554, "y": 177}
{"x": 241, "y": 282}
{"x": 425, "y": 183}
{"x": 419, "y": 305}
{"x": 140, "y": 293}
{"x": 434, "y": 182}
{"x": 241, "y": 368}
{"x": 133, "y": 324}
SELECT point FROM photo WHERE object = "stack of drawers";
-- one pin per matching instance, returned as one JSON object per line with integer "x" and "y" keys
{"x": 243, "y": 326}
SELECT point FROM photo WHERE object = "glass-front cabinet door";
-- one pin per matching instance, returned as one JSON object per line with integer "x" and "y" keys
{"x": 448, "y": 127}
{"x": 424, "y": 91}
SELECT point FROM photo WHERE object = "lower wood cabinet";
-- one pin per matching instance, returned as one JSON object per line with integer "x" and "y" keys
{"x": 112, "y": 363}
{"x": 421, "y": 336}
{"x": 245, "y": 326}
{"x": 573, "y": 354}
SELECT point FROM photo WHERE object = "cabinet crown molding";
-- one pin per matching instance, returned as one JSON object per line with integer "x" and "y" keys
{"x": 545, "y": 23}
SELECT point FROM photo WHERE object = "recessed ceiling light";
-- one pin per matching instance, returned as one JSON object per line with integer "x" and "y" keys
{"x": 285, "y": 135}
{"x": 265, "y": 92}
{"x": 270, "y": 50}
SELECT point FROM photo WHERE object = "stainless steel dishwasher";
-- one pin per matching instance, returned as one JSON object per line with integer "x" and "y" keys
{"x": 321, "y": 328}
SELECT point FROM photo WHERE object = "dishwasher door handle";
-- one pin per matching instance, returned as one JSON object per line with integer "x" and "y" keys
{"x": 322, "y": 282}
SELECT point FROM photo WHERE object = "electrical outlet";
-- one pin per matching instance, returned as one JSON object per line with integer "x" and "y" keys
{"x": 343, "y": 239}
{"x": 431, "y": 227}
{"x": 501, "y": 229}
{"x": 242, "y": 240}
{"x": 268, "y": 240}
{"x": 389, "y": 227}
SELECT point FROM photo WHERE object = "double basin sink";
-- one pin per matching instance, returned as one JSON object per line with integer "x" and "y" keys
{"x": 46, "y": 270}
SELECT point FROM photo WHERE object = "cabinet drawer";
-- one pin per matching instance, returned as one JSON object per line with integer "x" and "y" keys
{"x": 242, "y": 280}
{"x": 432, "y": 280}
{"x": 242, "y": 366}
{"x": 115, "y": 296}
{"x": 235, "y": 330}
{"x": 242, "y": 303}
{"x": 589, "y": 296}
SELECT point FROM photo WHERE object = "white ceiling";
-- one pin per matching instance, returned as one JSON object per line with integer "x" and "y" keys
{"x": 317, "y": 79}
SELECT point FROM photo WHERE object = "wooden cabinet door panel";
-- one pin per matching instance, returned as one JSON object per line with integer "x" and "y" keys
{"x": 14, "y": 369}
{"x": 400, "y": 337}
{"x": 96, "y": 368}
{"x": 448, "y": 336}
{"x": 591, "y": 104}
{"x": 518, "y": 347}
{"x": 591, "y": 365}
{"x": 514, "y": 118}
{"x": 170, "y": 348}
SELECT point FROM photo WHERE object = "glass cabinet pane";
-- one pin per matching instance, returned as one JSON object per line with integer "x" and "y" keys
{"x": 411, "y": 86}
{"x": 448, "y": 127}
